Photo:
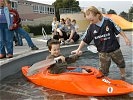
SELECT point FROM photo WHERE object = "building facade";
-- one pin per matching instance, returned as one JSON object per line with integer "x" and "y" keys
{"x": 30, "y": 12}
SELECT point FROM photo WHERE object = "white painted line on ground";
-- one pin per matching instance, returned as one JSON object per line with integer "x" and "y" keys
{"x": 42, "y": 40}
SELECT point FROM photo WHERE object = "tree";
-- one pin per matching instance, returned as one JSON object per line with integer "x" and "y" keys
{"x": 130, "y": 14}
{"x": 65, "y": 4}
{"x": 111, "y": 12}
{"x": 124, "y": 15}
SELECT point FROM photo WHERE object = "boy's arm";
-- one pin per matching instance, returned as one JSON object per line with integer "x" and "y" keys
{"x": 71, "y": 35}
{"x": 128, "y": 42}
{"x": 72, "y": 58}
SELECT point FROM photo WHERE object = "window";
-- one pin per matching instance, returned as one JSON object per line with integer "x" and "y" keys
{"x": 14, "y": 5}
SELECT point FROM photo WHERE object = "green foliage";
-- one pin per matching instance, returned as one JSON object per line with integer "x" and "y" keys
{"x": 65, "y": 4}
{"x": 124, "y": 15}
{"x": 26, "y": 28}
{"x": 111, "y": 12}
{"x": 131, "y": 10}
{"x": 130, "y": 14}
{"x": 37, "y": 30}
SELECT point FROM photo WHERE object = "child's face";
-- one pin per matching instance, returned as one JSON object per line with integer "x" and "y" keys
{"x": 73, "y": 23}
{"x": 1, "y": 3}
{"x": 93, "y": 19}
{"x": 55, "y": 50}
{"x": 68, "y": 22}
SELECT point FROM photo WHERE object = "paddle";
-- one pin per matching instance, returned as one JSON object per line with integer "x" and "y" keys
{"x": 44, "y": 63}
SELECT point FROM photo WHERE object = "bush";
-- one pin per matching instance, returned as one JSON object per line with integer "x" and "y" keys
{"x": 37, "y": 30}
{"x": 26, "y": 28}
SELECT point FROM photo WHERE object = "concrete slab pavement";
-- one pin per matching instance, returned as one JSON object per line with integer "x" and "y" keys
{"x": 25, "y": 49}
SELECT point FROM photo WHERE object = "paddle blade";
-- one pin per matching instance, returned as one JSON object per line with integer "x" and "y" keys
{"x": 35, "y": 67}
{"x": 92, "y": 48}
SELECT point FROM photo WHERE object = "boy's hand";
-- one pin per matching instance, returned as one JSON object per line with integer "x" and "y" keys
{"x": 127, "y": 42}
{"x": 62, "y": 58}
{"x": 80, "y": 53}
{"x": 77, "y": 52}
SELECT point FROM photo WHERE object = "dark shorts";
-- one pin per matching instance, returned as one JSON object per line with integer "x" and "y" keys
{"x": 64, "y": 35}
{"x": 105, "y": 60}
{"x": 75, "y": 37}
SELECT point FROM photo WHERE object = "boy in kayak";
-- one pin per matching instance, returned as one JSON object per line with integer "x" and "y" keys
{"x": 61, "y": 66}
{"x": 103, "y": 31}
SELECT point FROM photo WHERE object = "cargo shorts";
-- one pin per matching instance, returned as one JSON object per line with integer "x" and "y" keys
{"x": 105, "y": 60}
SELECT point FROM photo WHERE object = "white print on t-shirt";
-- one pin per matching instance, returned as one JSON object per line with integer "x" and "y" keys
{"x": 95, "y": 32}
{"x": 102, "y": 36}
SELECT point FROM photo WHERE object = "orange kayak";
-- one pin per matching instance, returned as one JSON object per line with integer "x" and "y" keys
{"x": 90, "y": 84}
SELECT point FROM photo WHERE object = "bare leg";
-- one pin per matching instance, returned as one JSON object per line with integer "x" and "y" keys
{"x": 122, "y": 71}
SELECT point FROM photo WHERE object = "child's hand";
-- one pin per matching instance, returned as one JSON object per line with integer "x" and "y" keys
{"x": 128, "y": 42}
{"x": 62, "y": 58}
{"x": 77, "y": 52}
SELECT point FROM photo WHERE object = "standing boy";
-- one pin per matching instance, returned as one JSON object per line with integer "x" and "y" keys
{"x": 103, "y": 31}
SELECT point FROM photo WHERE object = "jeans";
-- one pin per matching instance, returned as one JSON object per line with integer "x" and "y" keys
{"x": 6, "y": 39}
{"x": 23, "y": 33}
{"x": 18, "y": 38}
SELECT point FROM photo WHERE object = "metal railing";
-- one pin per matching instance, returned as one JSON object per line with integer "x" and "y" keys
{"x": 69, "y": 10}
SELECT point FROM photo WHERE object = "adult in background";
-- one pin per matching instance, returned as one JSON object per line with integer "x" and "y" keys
{"x": 17, "y": 28}
{"x": 103, "y": 31}
{"x": 6, "y": 35}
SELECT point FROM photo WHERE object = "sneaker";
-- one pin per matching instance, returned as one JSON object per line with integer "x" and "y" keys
{"x": 34, "y": 48}
{"x": 2, "y": 56}
{"x": 10, "y": 56}
{"x": 123, "y": 77}
{"x": 62, "y": 43}
{"x": 68, "y": 43}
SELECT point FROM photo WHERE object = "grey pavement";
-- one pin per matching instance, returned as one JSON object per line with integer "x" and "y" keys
{"x": 40, "y": 42}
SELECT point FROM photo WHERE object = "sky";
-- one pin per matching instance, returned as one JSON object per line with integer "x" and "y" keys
{"x": 117, "y": 5}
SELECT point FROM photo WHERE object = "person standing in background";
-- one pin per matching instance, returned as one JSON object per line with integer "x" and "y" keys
{"x": 6, "y": 35}
{"x": 17, "y": 28}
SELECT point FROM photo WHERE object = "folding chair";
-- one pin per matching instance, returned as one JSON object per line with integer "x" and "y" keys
{"x": 45, "y": 36}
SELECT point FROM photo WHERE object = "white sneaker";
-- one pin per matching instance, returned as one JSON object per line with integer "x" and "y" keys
{"x": 62, "y": 43}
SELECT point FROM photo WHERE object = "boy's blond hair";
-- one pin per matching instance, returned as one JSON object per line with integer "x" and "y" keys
{"x": 94, "y": 11}
{"x": 54, "y": 18}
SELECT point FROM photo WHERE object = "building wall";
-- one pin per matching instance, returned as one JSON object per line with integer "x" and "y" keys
{"x": 24, "y": 9}
{"x": 28, "y": 7}
{"x": 43, "y": 20}
{"x": 25, "y": 6}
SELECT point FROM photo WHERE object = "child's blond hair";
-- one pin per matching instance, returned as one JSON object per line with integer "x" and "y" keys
{"x": 94, "y": 11}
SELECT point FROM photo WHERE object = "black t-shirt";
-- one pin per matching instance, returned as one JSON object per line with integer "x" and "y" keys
{"x": 104, "y": 35}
